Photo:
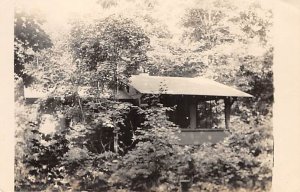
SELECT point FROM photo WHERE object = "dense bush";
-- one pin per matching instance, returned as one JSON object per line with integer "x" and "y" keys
{"x": 62, "y": 160}
{"x": 151, "y": 162}
{"x": 243, "y": 160}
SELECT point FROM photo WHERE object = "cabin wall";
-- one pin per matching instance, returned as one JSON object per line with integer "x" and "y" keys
{"x": 191, "y": 133}
{"x": 181, "y": 115}
{"x": 187, "y": 112}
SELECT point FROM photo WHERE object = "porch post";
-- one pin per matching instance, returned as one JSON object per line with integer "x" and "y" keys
{"x": 228, "y": 102}
{"x": 193, "y": 113}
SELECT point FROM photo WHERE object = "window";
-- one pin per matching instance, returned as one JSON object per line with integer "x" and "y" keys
{"x": 210, "y": 114}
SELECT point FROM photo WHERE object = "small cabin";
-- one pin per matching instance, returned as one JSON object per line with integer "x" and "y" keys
{"x": 197, "y": 104}
{"x": 201, "y": 106}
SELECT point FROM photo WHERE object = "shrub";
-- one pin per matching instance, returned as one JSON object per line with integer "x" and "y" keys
{"x": 243, "y": 160}
{"x": 151, "y": 162}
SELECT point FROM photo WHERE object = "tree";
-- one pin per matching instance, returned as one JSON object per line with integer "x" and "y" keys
{"x": 111, "y": 49}
{"x": 234, "y": 47}
{"x": 29, "y": 39}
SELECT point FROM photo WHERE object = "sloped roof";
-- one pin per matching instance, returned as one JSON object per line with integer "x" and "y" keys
{"x": 182, "y": 86}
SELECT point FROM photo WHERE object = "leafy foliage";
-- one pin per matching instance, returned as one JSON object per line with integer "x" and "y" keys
{"x": 114, "y": 47}
{"x": 150, "y": 162}
{"x": 29, "y": 39}
{"x": 82, "y": 69}
{"x": 243, "y": 160}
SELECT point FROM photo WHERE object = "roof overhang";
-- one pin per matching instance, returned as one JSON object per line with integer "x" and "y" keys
{"x": 199, "y": 86}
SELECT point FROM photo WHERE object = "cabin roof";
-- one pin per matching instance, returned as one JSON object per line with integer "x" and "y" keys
{"x": 147, "y": 84}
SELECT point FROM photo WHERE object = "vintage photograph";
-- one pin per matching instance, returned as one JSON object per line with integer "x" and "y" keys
{"x": 143, "y": 95}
